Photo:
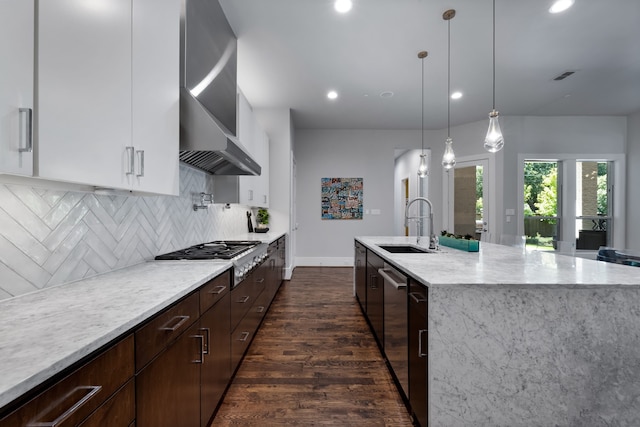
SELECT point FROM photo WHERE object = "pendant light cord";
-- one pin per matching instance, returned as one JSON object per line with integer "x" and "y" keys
{"x": 494, "y": 55}
{"x": 449, "y": 80}
{"x": 422, "y": 113}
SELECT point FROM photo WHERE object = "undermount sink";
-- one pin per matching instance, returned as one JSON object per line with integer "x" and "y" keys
{"x": 406, "y": 249}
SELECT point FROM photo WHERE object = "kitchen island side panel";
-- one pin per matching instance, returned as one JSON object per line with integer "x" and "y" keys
{"x": 538, "y": 356}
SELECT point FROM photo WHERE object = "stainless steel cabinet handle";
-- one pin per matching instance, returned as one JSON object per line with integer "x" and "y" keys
{"x": 420, "y": 334}
{"x": 417, "y": 297}
{"x": 218, "y": 290}
{"x": 260, "y": 280}
{"x": 244, "y": 299}
{"x": 92, "y": 391}
{"x": 181, "y": 320}
{"x": 201, "y": 338}
{"x": 207, "y": 331}
{"x": 130, "y": 160}
{"x": 260, "y": 309}
{"x": 140, "y": 155}
{"x": 26, "y": 130}
{"x": 245, "y": 335}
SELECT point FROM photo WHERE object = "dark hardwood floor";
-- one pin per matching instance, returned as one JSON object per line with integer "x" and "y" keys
{"x": 314, "y": 362}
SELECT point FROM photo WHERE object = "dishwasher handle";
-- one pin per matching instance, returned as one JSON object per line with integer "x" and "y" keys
{"x": 387, "y": 277}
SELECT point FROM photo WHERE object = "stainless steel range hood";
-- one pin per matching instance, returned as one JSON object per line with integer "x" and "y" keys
{"x": 208, "y": 93}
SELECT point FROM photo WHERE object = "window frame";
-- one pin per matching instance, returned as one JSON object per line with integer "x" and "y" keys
{"x": 567, "y": 194}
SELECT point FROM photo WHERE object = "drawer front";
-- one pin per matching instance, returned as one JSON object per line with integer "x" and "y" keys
{"x": 119, "y": 411}
{"x": 214, "y": 290}
{"x": 241, "y": 338}
{"x": 244, "y": 296}
{"x": 165, "y": 328}
{"x": 72, "y": 399}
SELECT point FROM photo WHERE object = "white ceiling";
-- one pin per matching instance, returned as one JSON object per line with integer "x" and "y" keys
{"x": 291, "y": 52}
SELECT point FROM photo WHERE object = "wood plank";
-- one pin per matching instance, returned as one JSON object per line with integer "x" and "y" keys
{"x": 314, "y": 361}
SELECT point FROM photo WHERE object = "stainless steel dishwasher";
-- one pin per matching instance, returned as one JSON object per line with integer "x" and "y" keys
{"x": 395, "y": 324}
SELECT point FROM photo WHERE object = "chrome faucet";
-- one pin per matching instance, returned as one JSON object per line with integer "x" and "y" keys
{"x": 432, "y": 237}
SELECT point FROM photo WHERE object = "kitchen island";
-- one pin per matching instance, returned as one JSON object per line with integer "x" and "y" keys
{"x": 521, "y": 338}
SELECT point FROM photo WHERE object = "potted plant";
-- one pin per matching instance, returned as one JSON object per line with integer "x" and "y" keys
{"x": 263, "y": 221}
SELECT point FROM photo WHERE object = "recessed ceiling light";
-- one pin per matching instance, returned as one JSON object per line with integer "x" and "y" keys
{"x": 560, "y": 6}
{"x": 332, "y": 94}
{"x": 343, "y": 6}
{"x": 456, "y": 95}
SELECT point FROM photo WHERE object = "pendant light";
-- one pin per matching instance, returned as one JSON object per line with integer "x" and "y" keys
{"x": 448, "y": 158}
{"x": 423, "y": 168}
{"x": 494, "y": 141}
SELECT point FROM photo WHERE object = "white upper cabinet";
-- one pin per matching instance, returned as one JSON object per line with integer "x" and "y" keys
{"x": 84, "y": 91}
{"x": 156, "y": 114}
{"x": 16, "y": 86}
{"x": 107, "y": 84}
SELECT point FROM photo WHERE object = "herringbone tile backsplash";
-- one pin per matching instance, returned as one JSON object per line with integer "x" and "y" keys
{"x": 50, "y": 237}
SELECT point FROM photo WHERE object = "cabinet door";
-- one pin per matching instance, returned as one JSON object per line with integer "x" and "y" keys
{"x": 418, "y": 342}
{"x": 361, "y": 275}
{"x": 375, "y": 296}
{"x": 83, "y": 113}
{"x": 16, "y": 85}
{"x": 216, "y": 368}
{"x": 261, "y": 155}
{"x": 156, "y": 62}
{"x": 168, "y": 389}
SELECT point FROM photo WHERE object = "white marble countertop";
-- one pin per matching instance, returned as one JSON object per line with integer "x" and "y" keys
{"x": 44, "y": 332}
{"x": 498, "y": 265}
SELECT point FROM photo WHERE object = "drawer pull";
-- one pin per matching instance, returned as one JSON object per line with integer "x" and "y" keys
{"x": 417, "y": 297}
{"x": 260, "y": 309}
{"x": 260, "y": 280}
{"x": 244, "y": 337}
{"x": 207, "y": 331}
{"x": 218, "y": 290}
{"x": 201, "y": 338}
{"x": 420, "y": 334}
{"x": 244, "y": 299}
{"x": 92, "y": 391}
{"x": 181, "y": 321}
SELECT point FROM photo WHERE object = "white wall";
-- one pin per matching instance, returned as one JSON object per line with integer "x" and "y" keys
{"x": 633, "y": 181}
{"x": 367, "y": 154}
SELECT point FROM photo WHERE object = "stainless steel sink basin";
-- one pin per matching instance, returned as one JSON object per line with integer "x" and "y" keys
{"x": 405, "y": 249}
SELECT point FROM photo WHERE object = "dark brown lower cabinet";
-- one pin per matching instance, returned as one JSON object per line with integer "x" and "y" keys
{"x": 215, "y": 373}
{"x": 361, "y": 275}
{"x": 168, "y": 388}
{"x": 97, "y": 393}
{"x": 418, "y": 342}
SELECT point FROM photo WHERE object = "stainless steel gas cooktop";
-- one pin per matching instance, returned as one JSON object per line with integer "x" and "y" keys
{"x": 219, "y": 249}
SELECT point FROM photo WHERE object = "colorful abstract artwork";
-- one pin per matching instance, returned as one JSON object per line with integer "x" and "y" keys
{"x": 341, "y": 198}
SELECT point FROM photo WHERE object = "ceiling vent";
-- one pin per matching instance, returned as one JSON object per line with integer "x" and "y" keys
{"x": 564, "y": 75}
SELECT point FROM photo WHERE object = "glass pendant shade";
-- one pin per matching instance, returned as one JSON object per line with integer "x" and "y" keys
{"x": 448, "y": 158}
{"x": 494, "y": 140}
{"x": 423, "y": 169}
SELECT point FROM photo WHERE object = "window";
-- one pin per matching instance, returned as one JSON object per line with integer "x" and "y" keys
{"x": 542, "y": 203}
{"x": 569, "y": 204}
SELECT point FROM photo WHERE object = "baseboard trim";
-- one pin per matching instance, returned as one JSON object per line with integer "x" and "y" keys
{"x": 324, "y": 261}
